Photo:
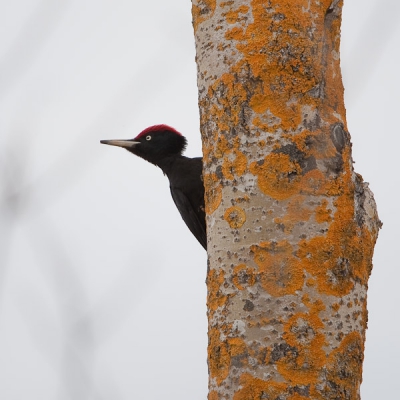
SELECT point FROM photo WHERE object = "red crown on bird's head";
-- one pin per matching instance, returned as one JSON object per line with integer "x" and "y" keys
{"x": 157, "y": 128}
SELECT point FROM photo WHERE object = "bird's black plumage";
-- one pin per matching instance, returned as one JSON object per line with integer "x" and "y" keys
{"x": 163, "y": 146}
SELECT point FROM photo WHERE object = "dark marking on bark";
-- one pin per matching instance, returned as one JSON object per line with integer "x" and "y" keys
{"x": 334, "y": 164}
{"x": 332, "y": 12}
{"x": 282, "y": 350}
{"x": 316, "y": 92}
{"x": 280, "y": 226}
{"x": 342, "y": 270}
{"x": 208, "y": 269}
{"x": 292, "y": 151}
{"x": 302, "y": 390}
{"x": 339, "y": 137}
{"x": 248, "y": 305}
{"x": 278, "y": 17}
{"x": 333, "y": 7}
{"x": 239, "y": 360}
{"x": 218, "y": 172}
{"x": 306, "y": 163}
{"x": 360, "y": 199}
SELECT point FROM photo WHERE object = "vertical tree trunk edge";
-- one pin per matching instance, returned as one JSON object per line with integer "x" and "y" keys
{"x": 291, "y": 227}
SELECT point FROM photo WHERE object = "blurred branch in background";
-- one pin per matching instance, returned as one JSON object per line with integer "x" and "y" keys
{"x": 13, "y": 172}
{"x": 60, "y": 269}
{"x": 57, "y": 268}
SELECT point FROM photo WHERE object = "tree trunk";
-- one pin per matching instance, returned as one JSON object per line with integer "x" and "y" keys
{"x": 291, "y": 227}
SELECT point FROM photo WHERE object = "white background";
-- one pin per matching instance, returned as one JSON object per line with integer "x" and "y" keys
{"x": 102, "y": 292}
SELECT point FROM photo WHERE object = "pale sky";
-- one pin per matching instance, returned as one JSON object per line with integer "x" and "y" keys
{"x": 102, "y": 292}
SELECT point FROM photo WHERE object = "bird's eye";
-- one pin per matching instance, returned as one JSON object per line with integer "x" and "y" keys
{"x": 148, "y": 137}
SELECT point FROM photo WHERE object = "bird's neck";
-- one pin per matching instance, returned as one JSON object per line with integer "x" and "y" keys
{"x": 167, "y": 163}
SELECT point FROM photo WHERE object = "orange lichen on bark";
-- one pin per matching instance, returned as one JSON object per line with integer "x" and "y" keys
{"x": 213, "y": 395}
{"x": 236, "y": 346}
{"x": 215, "y": 297}
{"x": 310, "y": 282}
{"x": 343, "y": 255}
{"x": 221, "y": 353}
{"x": 333, "y": 86}
{"x": 225, "y": 89}
{"x": 226, "y": 114}
{"x": 232, "y": 16}
{"x": 265, "y": 125}
{"x": 219, "y": 359}
{"x": 213, "y": 190}
{"x": 234, "y": 165}
{"x": 315, "y": 183}
{"x": 235, "y": 217}
{"x": 297, "y": 396}
{"x": 255, "y": 388}
{"x": 316, "y": 144}
{"x": 243, "y": 276}
{"x": 278, "y": 176}
{"x": 259, "y": 322}
{"x": 322, "y": 213}
{"x": 302, "y": 364}
{"x": 280, "y": 271}
{"x": 335, "y": 307}
{"x": 296, "y": 212}
{"x": 234, "y": 162}
{"x": 204, "y": 10}
{"x": 223, "y": 146}
{"x": 242, "y": 199}
{"x": 344, "y": 368}
{"x": 235, "y": 33}
{"x": 282, "y": 55}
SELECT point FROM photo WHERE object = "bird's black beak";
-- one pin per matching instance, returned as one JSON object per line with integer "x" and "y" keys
{"x": 127, "y": 144}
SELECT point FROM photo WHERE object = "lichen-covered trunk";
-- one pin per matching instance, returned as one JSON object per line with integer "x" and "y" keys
{"x": 291, "y": 227}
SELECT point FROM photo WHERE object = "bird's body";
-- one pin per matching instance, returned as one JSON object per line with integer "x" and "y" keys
{"x": 162, "y": 146}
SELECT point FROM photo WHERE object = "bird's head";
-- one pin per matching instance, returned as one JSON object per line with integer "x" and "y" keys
{"x": 154, "y": 143}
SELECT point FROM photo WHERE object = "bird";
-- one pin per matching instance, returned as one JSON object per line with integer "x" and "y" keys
{"x": 163, "y": 146}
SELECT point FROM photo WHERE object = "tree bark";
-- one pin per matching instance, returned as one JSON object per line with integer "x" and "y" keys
{"x": 291, "y": 227}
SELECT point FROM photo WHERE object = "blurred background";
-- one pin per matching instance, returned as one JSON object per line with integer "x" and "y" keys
{"x": 102, "y": 292}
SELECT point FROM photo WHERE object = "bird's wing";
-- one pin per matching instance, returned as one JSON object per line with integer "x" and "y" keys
{"x": 191, "y": 218}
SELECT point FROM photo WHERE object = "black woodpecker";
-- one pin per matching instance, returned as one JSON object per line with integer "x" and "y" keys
{"x": 163, "y": 146}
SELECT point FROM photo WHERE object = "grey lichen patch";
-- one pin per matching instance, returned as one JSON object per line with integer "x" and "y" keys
{"x": 365, "y": 206}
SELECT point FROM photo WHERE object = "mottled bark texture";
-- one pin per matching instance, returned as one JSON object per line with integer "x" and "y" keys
{"x": 291, "y": 226}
